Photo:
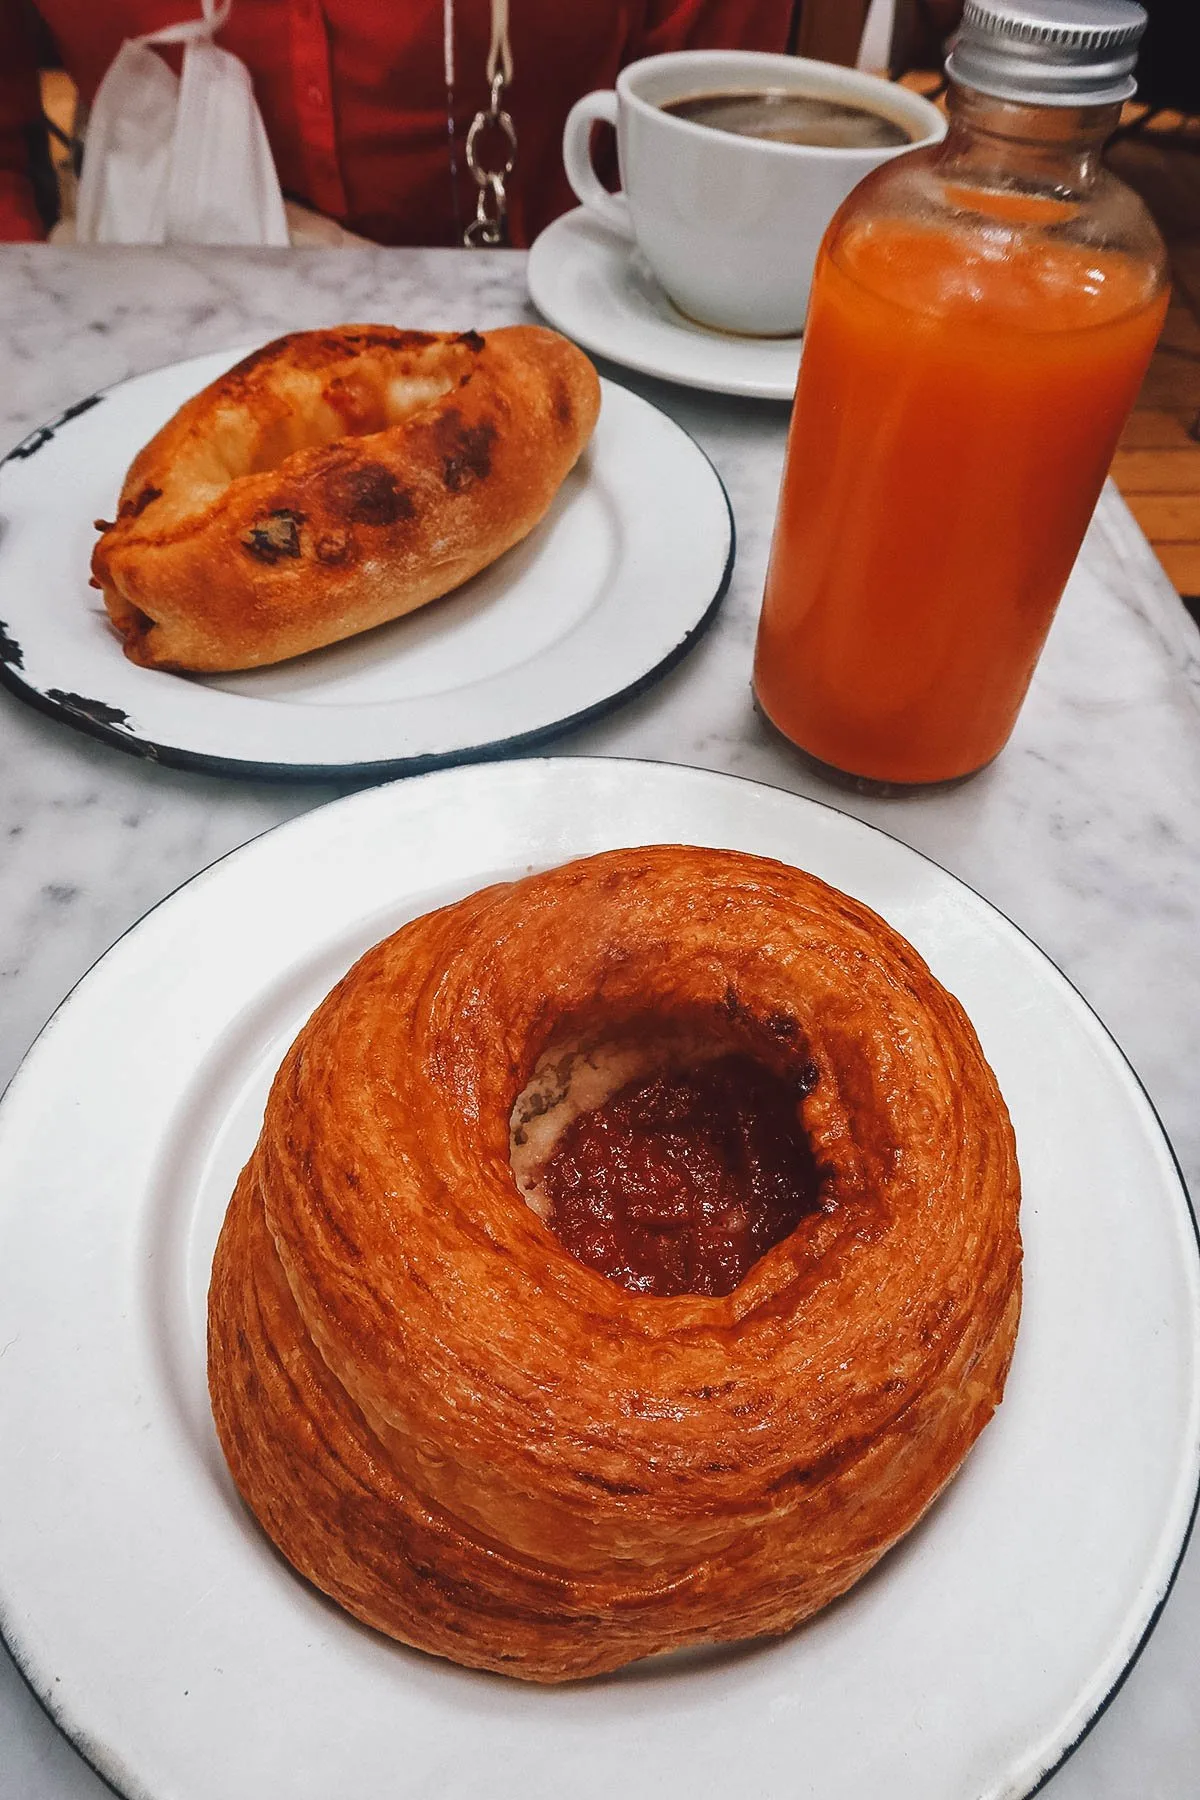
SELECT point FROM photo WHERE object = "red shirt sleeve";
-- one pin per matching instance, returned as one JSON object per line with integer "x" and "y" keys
{"x": 20, "y": 112}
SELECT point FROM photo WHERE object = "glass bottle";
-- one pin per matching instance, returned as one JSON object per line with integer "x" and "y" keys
{"x": 981, "y": 319}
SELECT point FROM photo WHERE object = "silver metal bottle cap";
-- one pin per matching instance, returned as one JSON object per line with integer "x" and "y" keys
{"x": 1049, "y": 52}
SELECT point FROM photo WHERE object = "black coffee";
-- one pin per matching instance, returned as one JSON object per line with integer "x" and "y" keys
{"x": 786, "y": 118}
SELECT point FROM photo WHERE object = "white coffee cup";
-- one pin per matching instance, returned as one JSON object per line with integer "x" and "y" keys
{"x": 730, "y": 225}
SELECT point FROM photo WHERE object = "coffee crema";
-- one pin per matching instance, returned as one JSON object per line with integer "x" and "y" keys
{"x": 779, "y": 116}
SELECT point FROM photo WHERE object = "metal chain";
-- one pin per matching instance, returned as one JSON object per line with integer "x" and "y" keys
{"x": 491, "y": 156}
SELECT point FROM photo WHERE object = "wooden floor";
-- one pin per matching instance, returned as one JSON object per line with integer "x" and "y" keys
{"x": 1157, "y": 467}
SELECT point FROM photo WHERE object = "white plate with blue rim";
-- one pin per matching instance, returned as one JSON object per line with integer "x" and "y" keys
{"x": 605, "y": 595}
{"x": 188, "y": 1662}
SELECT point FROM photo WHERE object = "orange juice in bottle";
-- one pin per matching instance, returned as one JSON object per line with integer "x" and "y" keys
{"x": 981, "y": 318}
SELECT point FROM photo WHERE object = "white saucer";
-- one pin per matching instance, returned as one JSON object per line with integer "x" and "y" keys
{"x": 184, "y": 1658}
{"x": 602, "y": 597}
{"x": 593, "y": 286}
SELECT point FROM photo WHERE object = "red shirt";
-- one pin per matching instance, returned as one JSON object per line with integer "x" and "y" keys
{"x": 353, "y": 92}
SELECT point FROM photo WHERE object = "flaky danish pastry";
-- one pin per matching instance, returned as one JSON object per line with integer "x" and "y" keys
{"x": 629, "y": 1256}
{"x": 335, "y": 480}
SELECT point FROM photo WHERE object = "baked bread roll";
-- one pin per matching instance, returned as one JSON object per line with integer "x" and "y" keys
{"x": 480, "y": 1444}
{"x": 334, "y": 480}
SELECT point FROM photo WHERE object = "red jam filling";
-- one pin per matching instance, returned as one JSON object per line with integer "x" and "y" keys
{"x": 679, "y": 1183}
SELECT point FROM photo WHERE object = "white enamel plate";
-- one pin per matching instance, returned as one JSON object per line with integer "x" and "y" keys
{"x": 605, "y": 595}
{"x": 185, "y": 1658}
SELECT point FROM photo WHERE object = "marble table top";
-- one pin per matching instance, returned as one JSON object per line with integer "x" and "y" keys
{"x": 1086, "y": 831}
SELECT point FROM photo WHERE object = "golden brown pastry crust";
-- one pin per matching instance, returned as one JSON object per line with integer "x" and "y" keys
{"x": 335, "y": 480}
{"x": 486, "y": 1449}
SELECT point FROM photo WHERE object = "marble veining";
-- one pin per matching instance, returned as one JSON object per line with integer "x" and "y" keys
{"x": 1086, "y": 832}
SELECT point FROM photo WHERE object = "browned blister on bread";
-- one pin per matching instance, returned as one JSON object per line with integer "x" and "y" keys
{"x": 335, "y": 480}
